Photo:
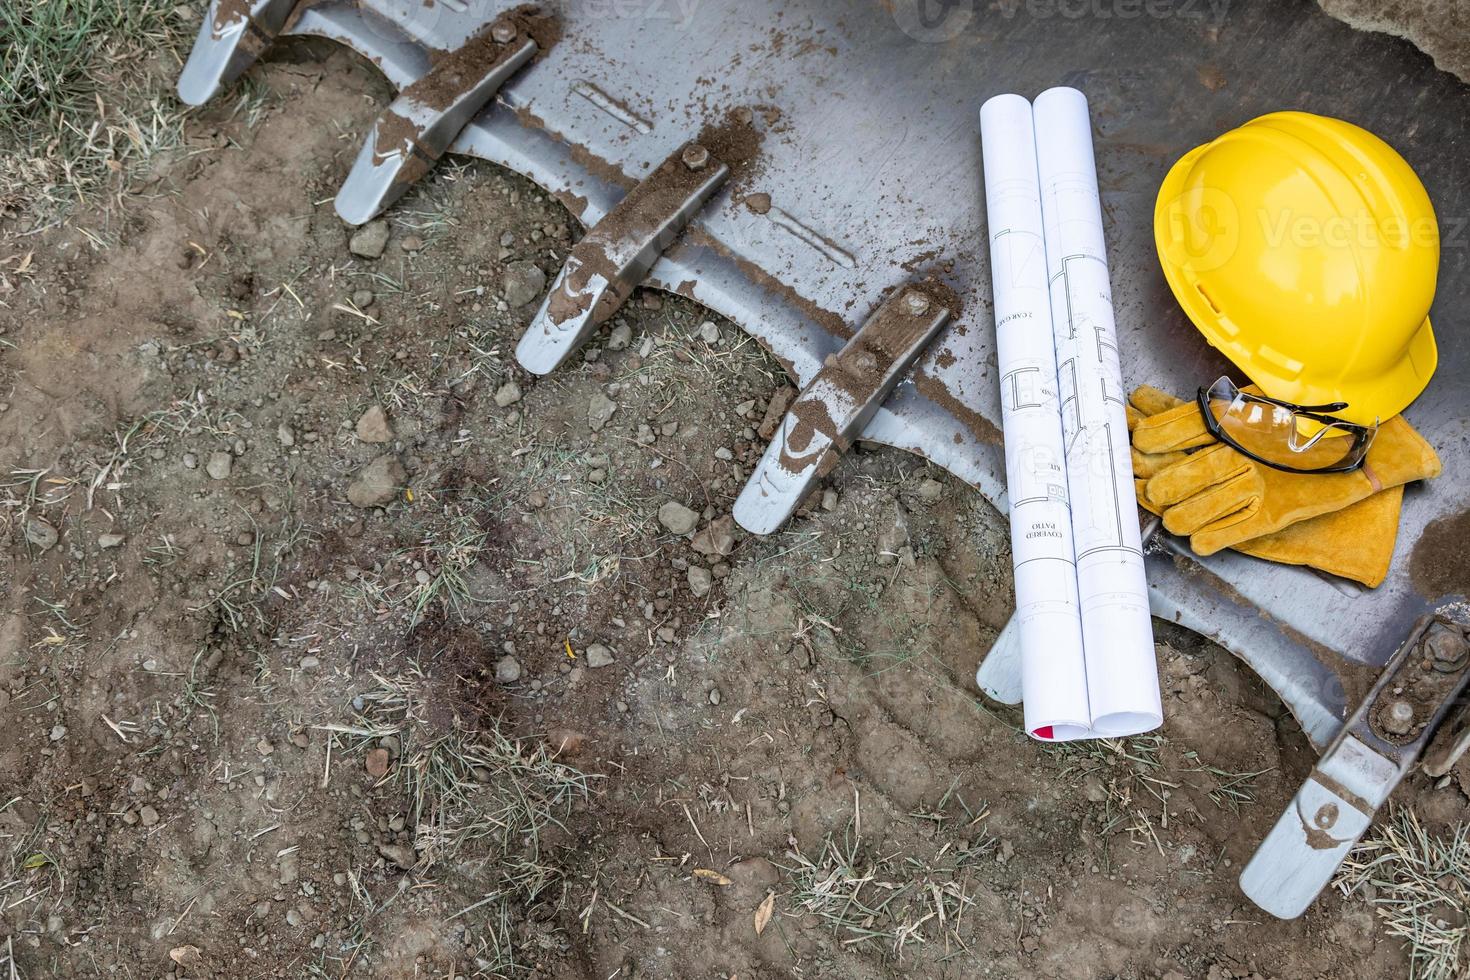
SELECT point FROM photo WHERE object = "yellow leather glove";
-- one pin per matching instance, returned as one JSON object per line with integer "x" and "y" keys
{"x": 1355, "y": 542}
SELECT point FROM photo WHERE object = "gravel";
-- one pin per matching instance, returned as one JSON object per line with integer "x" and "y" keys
{"x": 370, "y": 240}
{"x": 41, "y": 534}
{"x": 599, "y": 656}
{"x": 600, "y": 411}
{"x": 373, "y": 426}
{"x": 522, "y": 283}
{"x": 717, "y": 537}
{"x": 677, "y": 518}
{"x": 219, "y": 465}
{"x": 507, "y": 394}
{"x": 507, "y": 670}
{"x": 377, "y": 483}
{"x": 701, "y": 580}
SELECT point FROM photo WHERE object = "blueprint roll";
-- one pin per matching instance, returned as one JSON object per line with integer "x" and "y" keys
{"x": 1117, "y": 634}
{"x": 1053, "y": 670}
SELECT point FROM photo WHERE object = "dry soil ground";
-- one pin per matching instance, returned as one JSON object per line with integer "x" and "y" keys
{"x": 334, "y": 645}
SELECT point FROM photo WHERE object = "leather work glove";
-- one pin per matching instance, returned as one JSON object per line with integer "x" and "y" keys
{"x": 1354, "y": 542}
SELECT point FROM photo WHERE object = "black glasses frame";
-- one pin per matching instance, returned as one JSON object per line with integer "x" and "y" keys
{"x": 1361, "y": 435}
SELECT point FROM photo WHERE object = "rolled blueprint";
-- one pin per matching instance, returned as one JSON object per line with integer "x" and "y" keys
{"x": 1053, "y": 671}
{"x": 1117, "y": 634}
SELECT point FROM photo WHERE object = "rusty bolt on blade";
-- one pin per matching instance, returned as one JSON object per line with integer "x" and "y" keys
{"x": 1447, "y": 649}
{"x": 1397, "y": 717}
{"x": 503, "y": 32}
{"x": 695, "y": 157}
{"x": 917, "y": 303}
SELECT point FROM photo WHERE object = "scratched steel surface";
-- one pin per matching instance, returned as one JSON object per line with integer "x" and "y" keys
{"x": 873, "y": 170}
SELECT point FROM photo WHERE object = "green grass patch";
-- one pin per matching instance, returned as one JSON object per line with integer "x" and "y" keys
{"x": 78, "y": 104}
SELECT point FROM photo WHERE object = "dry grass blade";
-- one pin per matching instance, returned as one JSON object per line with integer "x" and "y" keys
{"x": 865, "y": 898}
{"x": 1419, "y": 884}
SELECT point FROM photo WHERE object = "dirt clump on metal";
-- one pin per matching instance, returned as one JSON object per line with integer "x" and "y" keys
{"x": 1439, "y": 565}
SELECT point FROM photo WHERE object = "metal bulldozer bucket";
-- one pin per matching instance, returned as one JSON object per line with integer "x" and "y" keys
{"x": 790, "y": 164}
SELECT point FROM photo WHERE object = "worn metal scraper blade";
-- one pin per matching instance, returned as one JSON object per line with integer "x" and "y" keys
{"x": 1380, "y": 742}
{"x": 835, "y": 408}
{"x": 417, "y": 129}
{"x": 999, "y": 673}
{"x": 232, "y": 37}
{"x": 616, "y": 253}
{"x": 852, "y": 194}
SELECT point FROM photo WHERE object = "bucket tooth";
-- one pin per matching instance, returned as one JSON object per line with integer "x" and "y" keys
{"x": 833, "y": 410}
{"x": 416, "y": 130}
{"x": 1371, "y": 754}
{"x": 234, "y": 34}
{"x": 616, "y": 253}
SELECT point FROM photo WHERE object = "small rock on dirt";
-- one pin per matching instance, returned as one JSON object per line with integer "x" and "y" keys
{"x": 41, "y": 534}
{"x": 370, "y": 240}
{"x": 677, "y": 518}
{"x": 599, "y": 656}
{"x": 507, "y": 394}
{"x": 373, "y": 426}
{"x": 188, "y": 957}
{"x": 400, "y": 854}
{"x": 717, "y": 537}
{"x": 286, "y": 435}
{"x": 377, "y": 483}
{"x": 600, "y": 411}
{"x": 619, "y": 337}
{"x": 709, "y": 332}
{"x": 377, "y": 763}
{"x": 522, "y": 283}
{"x": 111, "y": 540}
{"x": 930, "y": 490}
{"x": 219, "y": 466}
{"x": 700, "y": 580}
{"x": 507, "y": 670}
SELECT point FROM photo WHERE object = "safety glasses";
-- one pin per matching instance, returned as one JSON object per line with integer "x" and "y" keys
{"x": 1283, "y": 436}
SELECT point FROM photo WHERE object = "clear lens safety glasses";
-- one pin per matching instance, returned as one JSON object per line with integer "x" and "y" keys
{"x": 1294, "y": 438}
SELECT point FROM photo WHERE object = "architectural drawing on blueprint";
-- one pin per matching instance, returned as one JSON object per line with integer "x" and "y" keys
{"x": 1122, "y": 676}
{"x": 1049, "y": 617}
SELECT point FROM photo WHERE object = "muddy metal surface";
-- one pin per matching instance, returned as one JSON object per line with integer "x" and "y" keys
{"x": 258, "y": 636}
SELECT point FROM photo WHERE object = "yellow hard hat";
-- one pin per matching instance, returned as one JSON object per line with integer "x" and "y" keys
{"x": 1305, "y": 249}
